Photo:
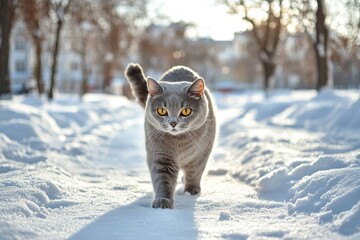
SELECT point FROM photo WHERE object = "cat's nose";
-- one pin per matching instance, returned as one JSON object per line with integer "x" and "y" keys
{"x": 173, "y": 124}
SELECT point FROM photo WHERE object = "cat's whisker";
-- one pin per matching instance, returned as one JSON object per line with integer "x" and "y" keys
{"x": 210, "y": 120}
{"x": 193, "y": 139}
{"x": 152, "y": 134}
{"x": 149, "y": 139}
{"x": 154, "y": 142}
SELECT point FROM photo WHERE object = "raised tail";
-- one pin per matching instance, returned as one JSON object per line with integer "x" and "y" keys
{"x": 137, "y": 80}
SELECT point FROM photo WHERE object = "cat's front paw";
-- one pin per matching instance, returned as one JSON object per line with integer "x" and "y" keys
{"x": 163, "y": 203}
{"x": 193, "y": 190}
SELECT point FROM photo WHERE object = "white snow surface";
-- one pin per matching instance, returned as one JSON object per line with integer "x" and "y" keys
{"x": 284, "y": 167}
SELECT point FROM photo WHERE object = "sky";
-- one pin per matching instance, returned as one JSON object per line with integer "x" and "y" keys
{"x": 210, "y": 17}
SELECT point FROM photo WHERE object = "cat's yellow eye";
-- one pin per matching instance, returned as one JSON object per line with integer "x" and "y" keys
{"x": 161, "y": 111}
{"x": 186, "y": 112}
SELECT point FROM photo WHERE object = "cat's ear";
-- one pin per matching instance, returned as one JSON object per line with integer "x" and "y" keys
{"x": 197, "y": 88}
{"x": 154, "y": 87}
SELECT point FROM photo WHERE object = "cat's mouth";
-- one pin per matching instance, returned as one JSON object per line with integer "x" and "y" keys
{"x": 174, "y": 130}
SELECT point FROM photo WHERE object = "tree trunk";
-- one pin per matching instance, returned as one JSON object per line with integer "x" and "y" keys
{"x": 107, "y": 76}
{"x": 321, "y": 46}
{"x": 83, "y": 88}
{"x": 268, "y": 71}
{"x": 38, "y": 66}
{"x": 54, "y": 63}
{"x": 5, "y": 86}
{"x": 322, "y": 68}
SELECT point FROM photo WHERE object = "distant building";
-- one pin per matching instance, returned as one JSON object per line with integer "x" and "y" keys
{"x": 20, "y": 57}
{"x": 69, "y": 73}
{"x": 223, "y": 64}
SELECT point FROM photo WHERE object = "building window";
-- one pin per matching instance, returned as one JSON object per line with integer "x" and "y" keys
{"x": 20, "y": 66}
{"x": 20, "y": 44}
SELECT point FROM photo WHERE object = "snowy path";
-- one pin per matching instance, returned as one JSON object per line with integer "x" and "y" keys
{"x": 79, "y": 172}
{"x": 227, "y": 209}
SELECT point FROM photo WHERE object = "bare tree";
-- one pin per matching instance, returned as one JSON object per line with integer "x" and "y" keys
{"x": 353, "y": 23}
{"x": 120, "y": 33}
{"x": 321, "y": 46}
{"x": 82, "y": 22}
{"x": 111, "y": 38}
{"x": 61, "y": 9}
{"x": 7, "y": 12}
{"x": 311, "y": 18}
{"x": 350, "y": 57}
{"x": 85, "y": 28}
{"x": 266, "y": 31}
{"x": 103, "y": 33}
{"x": 35, "y": 13}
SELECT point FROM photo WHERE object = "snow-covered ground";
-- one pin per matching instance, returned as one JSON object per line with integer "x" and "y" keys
{"x": 285, "y": 167}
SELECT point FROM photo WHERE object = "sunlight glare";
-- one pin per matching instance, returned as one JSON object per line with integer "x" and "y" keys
{"x": 210, "y": 18}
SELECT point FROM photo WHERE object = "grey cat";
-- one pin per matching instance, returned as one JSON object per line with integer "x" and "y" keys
{"x": 180, "y": 128}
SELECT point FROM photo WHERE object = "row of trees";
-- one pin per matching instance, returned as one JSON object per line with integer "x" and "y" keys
{"x": 270, "y": 21}
{"x": 109, "y": 29}
{"x": 307, "y": 16}
{"x": 34, "y": 13}
{"x": 111, "y": 21}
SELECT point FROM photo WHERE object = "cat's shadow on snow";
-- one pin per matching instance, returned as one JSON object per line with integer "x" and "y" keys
{"x": 138, "y": 220}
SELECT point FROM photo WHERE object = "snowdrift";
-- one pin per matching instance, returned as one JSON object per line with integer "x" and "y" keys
{"x": 65, "y": 163}
{"x": 317, "y": 177}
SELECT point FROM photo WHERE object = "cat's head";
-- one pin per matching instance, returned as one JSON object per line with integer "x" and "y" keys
{"x": 176, "y": 107}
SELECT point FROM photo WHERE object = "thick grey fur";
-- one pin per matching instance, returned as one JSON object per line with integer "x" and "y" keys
{"x": 137, "y": 80}
{"x": 186, "y": 146}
